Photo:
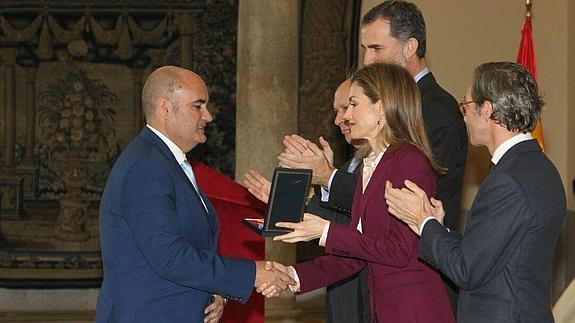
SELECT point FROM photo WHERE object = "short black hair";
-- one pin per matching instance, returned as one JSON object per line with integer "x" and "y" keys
{"x": 405, "y": 21}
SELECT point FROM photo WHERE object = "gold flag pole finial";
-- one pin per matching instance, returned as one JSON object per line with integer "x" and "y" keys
{"x": 528, "y": 5}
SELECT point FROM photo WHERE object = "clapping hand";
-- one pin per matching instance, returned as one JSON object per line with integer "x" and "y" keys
{"x": 258, "y": 185}
{"x": 302, "y": 153}
{"x": 411, "y": 205}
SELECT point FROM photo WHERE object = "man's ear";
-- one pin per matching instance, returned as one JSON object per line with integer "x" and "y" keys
{"x": 410, "y": 48}
{"x": 163, "y": 107}
{"x": 486, "y": 110}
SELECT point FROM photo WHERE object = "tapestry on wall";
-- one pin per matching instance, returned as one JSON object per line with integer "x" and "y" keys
{"x": 86, "y": 111}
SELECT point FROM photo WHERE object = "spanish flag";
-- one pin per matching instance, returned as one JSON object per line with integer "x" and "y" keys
{"x": 526, "y": 57}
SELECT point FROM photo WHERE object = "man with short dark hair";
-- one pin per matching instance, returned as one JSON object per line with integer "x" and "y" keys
{"x": 394, "y": 32}
{"x": 503, "y": 261}
{"x": 346, "y": 301}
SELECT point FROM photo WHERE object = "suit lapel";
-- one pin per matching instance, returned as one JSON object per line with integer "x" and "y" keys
{"x": 376, "y": 183}
{"x": 149, "y": 135}
{"x": 212, "y": 216}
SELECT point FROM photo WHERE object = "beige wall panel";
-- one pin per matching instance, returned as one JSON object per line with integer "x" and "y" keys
{"x": 571, "y": 106}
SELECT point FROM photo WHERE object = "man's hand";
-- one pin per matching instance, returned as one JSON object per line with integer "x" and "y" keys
{"x": 258, "y": 185}
{"x": 296, "y": 145}
{"x": 271, "y": 282}
{"x": 302, "y": 153}
{"x": 411, "y": 205}
{"x": 215, "y": 310}
{"x": 310, "y": 228}
{"x": 270, "y": 291}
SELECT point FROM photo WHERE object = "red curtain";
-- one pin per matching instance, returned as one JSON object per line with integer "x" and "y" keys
{"x": 233, "y": 202}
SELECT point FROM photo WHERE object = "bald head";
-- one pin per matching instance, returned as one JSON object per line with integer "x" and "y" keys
{"x": 340, "y": 104}
{"x": 341, "y": 96}
{"x": 167, "y": 82}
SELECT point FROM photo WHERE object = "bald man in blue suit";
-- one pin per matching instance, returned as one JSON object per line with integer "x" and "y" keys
{"x": 158, "y": 231}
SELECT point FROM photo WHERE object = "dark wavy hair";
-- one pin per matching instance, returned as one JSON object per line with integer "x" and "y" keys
{"x": 512, "y": 92}
{"x": 405, "y": 21}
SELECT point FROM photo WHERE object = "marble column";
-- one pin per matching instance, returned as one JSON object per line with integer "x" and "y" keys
{"x": 186, "y": 25}
{"x": 28, "y": 168}
{"x": 267, "y": 99}
{"x": 10, "y": 183}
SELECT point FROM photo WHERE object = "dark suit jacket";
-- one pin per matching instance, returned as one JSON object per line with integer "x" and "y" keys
{"x": 503, "y": 261}
{"x": 342, "y": 190}
{"x": 159, "y": 243}
{"x": 448, "y": 137}
{"x": 402, "y": 289}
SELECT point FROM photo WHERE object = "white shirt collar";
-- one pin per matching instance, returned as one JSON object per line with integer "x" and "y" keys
{"x": 421, "y": 74}
{"x": 507, "y": 144}
{"x": 176, "y": 151}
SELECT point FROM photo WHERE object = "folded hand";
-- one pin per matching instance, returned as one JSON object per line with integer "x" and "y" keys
{"x": 215, "y": 310}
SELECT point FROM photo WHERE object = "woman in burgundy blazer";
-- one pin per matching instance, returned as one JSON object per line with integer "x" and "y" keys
{"x": 401, "y": 287}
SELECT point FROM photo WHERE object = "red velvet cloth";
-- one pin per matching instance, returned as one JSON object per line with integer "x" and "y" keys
{"x": 233, "y": 202}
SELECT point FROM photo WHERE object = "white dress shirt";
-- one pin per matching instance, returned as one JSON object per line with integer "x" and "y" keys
{"x": 179, "y": 155}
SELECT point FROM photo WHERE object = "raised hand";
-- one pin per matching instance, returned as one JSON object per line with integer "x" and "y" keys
{"x": 258, "y": 185}
{"x": 437, "y": 210}
{"x": 215, "y": 310}
{"x": 411, "y": 205}
{"x": 272, "y": 281}
{"x": 310, "y": 228}
{"x": 296, "y": 145}
{"x": 301, "y": 153}
{"x": 327, "y": 151}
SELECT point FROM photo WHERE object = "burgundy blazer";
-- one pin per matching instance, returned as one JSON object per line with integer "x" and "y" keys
{"x": 401, "y": 287}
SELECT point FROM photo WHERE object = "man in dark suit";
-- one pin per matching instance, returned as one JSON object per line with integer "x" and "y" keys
{"x": 394, "y": 32}
{"x": 158, "y": 231}
{"x": 503, "y": 261}
{"x": 347, "y": 301}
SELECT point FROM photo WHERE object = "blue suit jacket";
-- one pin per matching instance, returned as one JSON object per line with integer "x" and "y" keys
{"x": 159, "y": 243}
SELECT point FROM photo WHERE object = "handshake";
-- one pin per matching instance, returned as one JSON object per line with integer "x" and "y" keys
{"x": 272, "y": 278}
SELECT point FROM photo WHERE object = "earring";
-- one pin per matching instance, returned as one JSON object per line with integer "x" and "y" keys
{"x": 379, "y": 122}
